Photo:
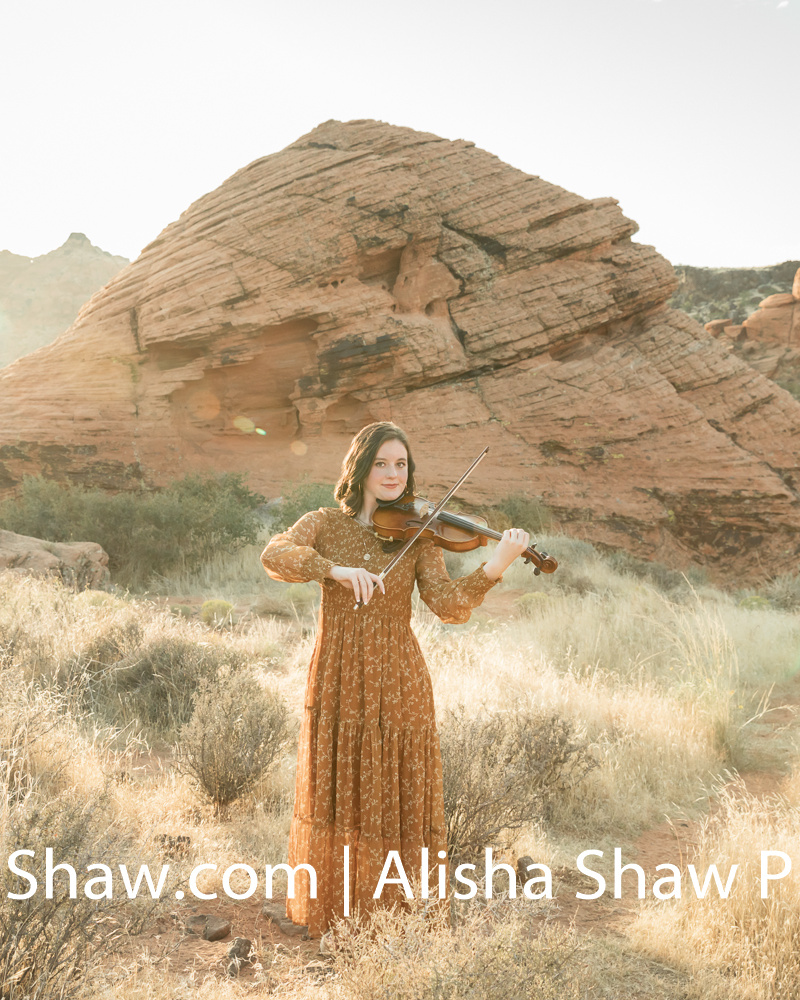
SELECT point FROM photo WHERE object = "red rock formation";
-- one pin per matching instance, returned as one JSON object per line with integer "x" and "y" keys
{"x": 370, "y": 272}
{"x": 769, "y": 339}
{"x": 40, "y": 297}
{"x": 777, "y": 319}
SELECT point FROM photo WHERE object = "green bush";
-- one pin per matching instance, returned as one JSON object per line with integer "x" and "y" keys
{"x": 755, "y": 602}
{"x": 216, "y": 613}
{"x": 182, "y": 610}
{"x": 298, "y": 500}
{"x": 146, "y": 533}
{"x": 236, "y": 733}
{"x": 500, "y": 771}
{"x": 302, "y": 595}
{"x": 532, "y": 604}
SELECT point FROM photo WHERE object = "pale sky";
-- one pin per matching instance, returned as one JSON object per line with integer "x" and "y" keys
{"x": 117, "y": 115}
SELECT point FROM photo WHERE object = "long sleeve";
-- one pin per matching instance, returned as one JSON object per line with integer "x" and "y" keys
{"x": 291, "y": 556}
{"x": 450, "y": 600}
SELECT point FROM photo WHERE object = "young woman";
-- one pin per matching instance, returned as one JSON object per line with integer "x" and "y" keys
{"x": 369, "y": 772}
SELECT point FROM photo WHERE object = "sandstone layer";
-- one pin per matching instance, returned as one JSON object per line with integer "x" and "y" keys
{"x": 41, "y": 296}
{"x": 78, "y": 564}
{"x": 370, "y": 272}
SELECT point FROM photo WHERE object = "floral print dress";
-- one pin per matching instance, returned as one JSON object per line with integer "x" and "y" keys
{"x": 369, "y": 772}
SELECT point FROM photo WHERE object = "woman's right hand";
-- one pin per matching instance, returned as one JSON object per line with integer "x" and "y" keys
{"x": 357, "y": 579}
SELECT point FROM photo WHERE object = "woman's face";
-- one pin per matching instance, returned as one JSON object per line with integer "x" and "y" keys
{"x": 389, "y": 474}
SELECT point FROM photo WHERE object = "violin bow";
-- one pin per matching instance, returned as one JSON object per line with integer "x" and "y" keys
{"x": 427, "y": 521}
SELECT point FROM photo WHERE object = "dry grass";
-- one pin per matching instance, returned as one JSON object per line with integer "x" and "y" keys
{"x": 495, "y": 951}
{"x": 745, "y": 936}
{"x": 661, "y": 681}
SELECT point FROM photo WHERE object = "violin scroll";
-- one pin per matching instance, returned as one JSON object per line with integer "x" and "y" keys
{"x": 542, "y": 562}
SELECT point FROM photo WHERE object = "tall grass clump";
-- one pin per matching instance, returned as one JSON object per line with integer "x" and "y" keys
{"x": 39, "y": 744}
{"x": 146, "y": 533}
{"x": 750, "y": 939}
{"x": 494, "y": 952}
{"x": 46, "y": 944}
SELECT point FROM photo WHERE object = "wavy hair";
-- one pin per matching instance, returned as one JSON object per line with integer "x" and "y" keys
{"x": 358, "y": 461}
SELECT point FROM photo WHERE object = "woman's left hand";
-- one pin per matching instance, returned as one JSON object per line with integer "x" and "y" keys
{"x": 512, "y": 544}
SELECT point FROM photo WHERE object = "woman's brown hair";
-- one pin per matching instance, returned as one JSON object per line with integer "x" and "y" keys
{"x": 359, "y": 459}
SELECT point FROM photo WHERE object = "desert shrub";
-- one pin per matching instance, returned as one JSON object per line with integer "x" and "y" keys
{"x": 216, "y": 613}
{"x": 500, "y": 771}
{"x": 657, "y": 574}
{"x": 526, "y": 512}
{"x": 118, "y": 662}
{"x": 784, "y": 591}
{"x": 494, "y": 952}
{"x": 236, "y": 733}
{"x": 150, "y": 683}
{"x": 182, "y": 610}
{"x": 298, "y": 500}
{"x": 271, "y": 603}
{"x": 532, "y": 604}
{"x": 145, "y": 532}
{"x": 157, "y": 682}
{"x": 573, "y": 580}
{"x": 45, "y": 944}
{"x": 110, "y": 641}
{"x": 755, "y": 602}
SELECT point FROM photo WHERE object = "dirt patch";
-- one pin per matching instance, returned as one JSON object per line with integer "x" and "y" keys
{"x": 168, "y": 944}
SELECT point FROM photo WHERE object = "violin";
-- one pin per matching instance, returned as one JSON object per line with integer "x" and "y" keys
{"x": 400, "y": 519}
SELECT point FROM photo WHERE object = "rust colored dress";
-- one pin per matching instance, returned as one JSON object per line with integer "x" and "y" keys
{"x": 369, "y": 772}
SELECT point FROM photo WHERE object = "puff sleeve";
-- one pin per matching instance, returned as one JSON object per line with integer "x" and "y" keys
{"x": 291, "y": 557}
{"x": 450, "y": 600}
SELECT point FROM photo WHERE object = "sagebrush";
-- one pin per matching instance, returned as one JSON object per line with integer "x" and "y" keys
{"x": 500, "y": 772}
{"x": 236, "y": 733}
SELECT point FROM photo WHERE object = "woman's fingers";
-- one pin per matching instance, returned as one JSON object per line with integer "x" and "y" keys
{"x": 361, "y": 581}
{"x": 369, "y": 581}
{"x": 517, "y": 540}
